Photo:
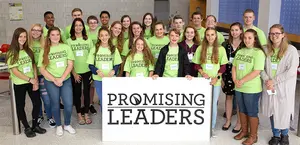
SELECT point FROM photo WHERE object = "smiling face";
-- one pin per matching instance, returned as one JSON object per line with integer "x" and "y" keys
{"x": 54, "y": 36}
{"x": 178, "y": 24}
{"x": 93, "y": 24}
{"x": 235, "y": 31}
{"x": 139, "y": 45}
{"x": 136, "y": 30}
{"x": 189, "y": 34}
{"x": 249, "y": 18}
{"x": 78, "y": 27}
{"x": 104, "y": 19}
{"x": 126, "y": 22}
{"x": 211, "y": 36}
{"x": 77, "y": 14}
{"x": 49, "y": 20}
{"x": 36, "y": 32}
{"x": 197, "y": 20}
{"x": 116, "y": 29}
{"x": 210, "y": 22}
{"x": 173, "y": 37}
{"x": 276, "y": 36}
{"x": 159, "y": 30}
{"x": 104, "y": 36}
{"x": 148, "y": 21}
{"x": 249, "y": 39}
{"x": 22, "y": 39}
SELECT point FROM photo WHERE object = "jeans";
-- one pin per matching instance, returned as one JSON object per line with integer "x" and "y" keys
{"x": 216, "y": 94}
{"x": 98, "y": 86}
{"x": 20, "y": 95}
{"x": 277, "y": 132}
{"x": 248, "y": 103}
{"x": 77, "y": 91}
{"x": 66, "y": 93}
{"x": 45, "y": 97}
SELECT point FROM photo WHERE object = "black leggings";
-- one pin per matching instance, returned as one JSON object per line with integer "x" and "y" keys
{"x": 20, "y": 94}
{"x": 77, "y": 91}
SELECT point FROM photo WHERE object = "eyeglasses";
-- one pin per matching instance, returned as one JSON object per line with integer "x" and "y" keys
{"x": 275, "y": 34}
{"x": 35, "y": 30}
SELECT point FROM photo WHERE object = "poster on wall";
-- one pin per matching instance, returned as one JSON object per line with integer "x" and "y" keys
{"x": 15, "y": 11}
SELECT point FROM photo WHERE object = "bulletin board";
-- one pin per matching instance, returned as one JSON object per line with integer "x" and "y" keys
{"x": 290, "y": 16}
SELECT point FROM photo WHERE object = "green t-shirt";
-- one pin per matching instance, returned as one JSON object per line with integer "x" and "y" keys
{"x": 126, "y": 49}
{"x": 36, "y": 48}
{"x": 62, "y": 34}
{"x": 115, "y": 41}
{"x": 210, "y": 68}
{"x": 220, "y": 36}
{"x": 126, "y": 35}
{"x": 246, "y": 61}
{"x": 93, "y": 35}
{"x": 104, "y": 60}
{"x": 80, "y": 49}
{"x": 58, "y": 60}
{"x": 172, "y": 63}
{"x": 147, "y": 34}
{"x": 68, "y": 29}
{"x": 261, "y": 35}
{"x": 157, "y": 44}
{"x": 201, "y": 32}
{"x": 136, "y": 67}
{"x": 24, "y": 65}
{"x": 274, "y": 62}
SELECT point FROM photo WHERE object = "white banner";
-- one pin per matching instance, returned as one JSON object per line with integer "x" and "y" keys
{"x": 166, "y": 109}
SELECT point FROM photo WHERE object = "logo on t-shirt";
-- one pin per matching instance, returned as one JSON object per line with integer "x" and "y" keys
{"x": 244, "y": 58}
{"x": 157, "y": 46}
{"x": 80, "y": 46}
{"x": 104, "y": 57}
{"x": 172, "y": 57}
{"x": 57, "y": 55}
{"x": 138, "y": 63}
{"x": 24, "y": 60}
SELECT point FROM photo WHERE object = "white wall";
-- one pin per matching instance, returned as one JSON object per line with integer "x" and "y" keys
{"x": 33, "y": 11}
{"x": 182, "y": 7}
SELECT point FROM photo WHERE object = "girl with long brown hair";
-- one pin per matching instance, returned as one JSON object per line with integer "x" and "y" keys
{"x": 148, "y": 21}
{"x": 210, "y": 59}
{"x": 55, "y": 64}
{"x": 104, "y": 60}
{"x": 23, "y": 73}
{"x": 126, "y": 21}
{"x": 280, "y": 79}
{"x": 140, "y": 61}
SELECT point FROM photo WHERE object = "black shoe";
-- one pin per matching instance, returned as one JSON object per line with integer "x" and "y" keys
{"x": 236, "y": 131}
{"x": 93, "y": 110}
{"x": 284, "y": 140}
{"x": 274, "y": 141}
{"x": 40, "y": 119}
{"x": 82, "y": 111}
{"x": 226, "y": 128}
{"x": 29, "y": 133}
{"x": 61, "y": 106}
{"x": 39, "y": 130}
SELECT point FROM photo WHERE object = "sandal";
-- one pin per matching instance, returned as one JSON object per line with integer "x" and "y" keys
{"x": 81, "y": 120}
{"x": 87, "y": 119}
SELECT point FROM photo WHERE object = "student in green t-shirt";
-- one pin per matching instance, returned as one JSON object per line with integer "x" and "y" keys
{"x": 248, "y": 62}
{"x": 211, "y": 21}
{"x": 55, "y": 64}
{"x": 104, "y": 19}
{"x": 135, "y": 31}
{"x": 172, "y": 59}
{"x": 249, "y": 18}
{"x": 211, "y": 59}
{"x": 197, "y": 18}
{"x": 148, "y": 25}
{"x": 118, "y": 41}
{"x": 81, "y": 74}
{"x": 178, "y": 24}
{"x": 159, "y": 40}
{"x": 23, "y": 73}
{"x": 279, "y": 77}
{"x": 36, "y": 43}
{"x": 76, "y": 13}
{"x": 92, "y": 33}
{"x": 49, "y": 20}
{"x": 140, "y": 61}
{"x": 126, "y": 21}
{"x": 104, "y": 60}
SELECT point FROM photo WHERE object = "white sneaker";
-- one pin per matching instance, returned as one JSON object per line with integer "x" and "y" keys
{"x": 213, "y": 133}
{"x": 51, "y": 123}
{"x": 59, "y": 131}
{"x": 70, "y": 129}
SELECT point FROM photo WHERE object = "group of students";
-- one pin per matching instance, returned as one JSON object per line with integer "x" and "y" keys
{"x": 57, "y": 61}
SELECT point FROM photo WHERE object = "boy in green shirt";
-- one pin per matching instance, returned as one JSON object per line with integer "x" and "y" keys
{"x": 76, "y": 13}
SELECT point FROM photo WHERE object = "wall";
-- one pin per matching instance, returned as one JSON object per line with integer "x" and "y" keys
{"x": 181, "y": 7}
{"x": 33, "y": 11}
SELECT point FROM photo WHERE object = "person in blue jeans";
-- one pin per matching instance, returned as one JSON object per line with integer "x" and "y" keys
{"x": 104, "y": 60}
{"x": 36, "y": 42}
{"x": 55, "y": 64}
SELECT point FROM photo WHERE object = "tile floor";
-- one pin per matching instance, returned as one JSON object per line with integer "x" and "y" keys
{"x": 91, "y": 134}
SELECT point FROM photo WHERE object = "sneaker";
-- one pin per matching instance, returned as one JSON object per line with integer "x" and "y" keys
{"x": 213, "y": 133}
{"x": 40, "y": 119}
{"x": 274, "y": 141}
{"x": 29, "y": 133}
{"x": 59, "y": 131}
{"x": 93, "y": 110}
{"x": 70, "y": 129}
{"x": 52, "y": 123}
{"x": 284, "y": 140}
{"x": 39, "y": 130}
